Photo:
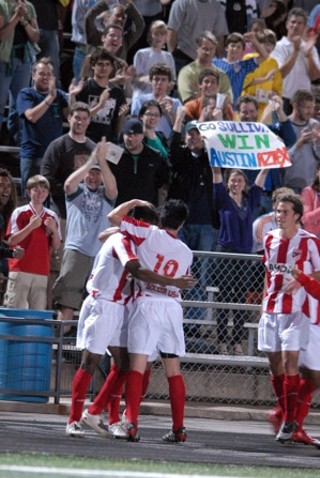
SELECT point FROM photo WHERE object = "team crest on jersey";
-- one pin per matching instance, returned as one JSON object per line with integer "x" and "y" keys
{"x": 296, "y": 253}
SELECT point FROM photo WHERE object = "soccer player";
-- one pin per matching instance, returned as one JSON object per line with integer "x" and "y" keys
{"x": 283, "y": 327}
{"x": 156, "y": 319}
{"x": 102, "y": 315}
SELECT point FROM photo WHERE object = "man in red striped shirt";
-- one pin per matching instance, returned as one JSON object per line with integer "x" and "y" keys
{"x": 284, "y": 323}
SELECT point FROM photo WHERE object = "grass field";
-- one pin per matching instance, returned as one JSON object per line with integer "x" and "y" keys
{"x": 47, "y": 466}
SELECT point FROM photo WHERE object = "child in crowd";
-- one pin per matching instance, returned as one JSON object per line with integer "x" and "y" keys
{"x": 235, "y": 67}
{"x": 36, "y": 229}
{"x": 266, "y": 80}
{"x": 145, "y": 58}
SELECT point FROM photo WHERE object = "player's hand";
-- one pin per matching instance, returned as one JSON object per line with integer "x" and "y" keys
{"x": 291, "y": 287}
{"x": 295, "y": 272}
{"x": 185, "y": 282}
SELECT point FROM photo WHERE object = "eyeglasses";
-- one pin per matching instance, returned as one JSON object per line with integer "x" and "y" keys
{"x": 154, "y": 115}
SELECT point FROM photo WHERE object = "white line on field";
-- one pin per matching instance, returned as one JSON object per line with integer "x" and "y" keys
{"x": 100, "y": 473}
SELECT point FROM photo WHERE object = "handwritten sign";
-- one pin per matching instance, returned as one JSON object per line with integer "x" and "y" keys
{"x": 243, "y": 145}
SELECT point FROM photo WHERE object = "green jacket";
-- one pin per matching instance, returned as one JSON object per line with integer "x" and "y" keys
{"x": 6, "y": 11}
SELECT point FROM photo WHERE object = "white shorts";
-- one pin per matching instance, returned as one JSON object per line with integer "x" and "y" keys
{"x": 99, "y": 321}
{"x": 156, "y": 325}
{"x": 310, "y": 358}
{"x": 120, "y": 338}
{"x": 278, "y": 332}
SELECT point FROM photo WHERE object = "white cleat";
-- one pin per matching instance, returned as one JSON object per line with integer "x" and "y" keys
{"x": 74, "y": 429}
{"x": 95, "y": 422}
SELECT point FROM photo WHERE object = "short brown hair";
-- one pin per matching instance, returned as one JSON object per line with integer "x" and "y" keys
{"x": 295, "y": 200}
{"x": 300, "y": 96}
{"x": 208, "y": 72}
{"x": 235, "y": 38}
{"x": 160, "y": 69}
{"x": 37, "y": 180}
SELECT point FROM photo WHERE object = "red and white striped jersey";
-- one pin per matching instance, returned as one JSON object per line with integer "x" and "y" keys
{"x": 280, "y": 255}
{"x": 109, "y": 280}
{"x": 161, "y": 252}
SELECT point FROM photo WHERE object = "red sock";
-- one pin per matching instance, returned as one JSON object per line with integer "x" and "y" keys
{"x": 277, "y": 384}
{"x": 291, "y": 388}
{"x": 80, "y": 386}
{"x": 133, "y": 396}
{"x": 145, "y": 383}
{"x": 306, "y": 389}
{"x": 103, "y": 396}
{"x": 115, "y": 397}
{"x": 177, "y": 392}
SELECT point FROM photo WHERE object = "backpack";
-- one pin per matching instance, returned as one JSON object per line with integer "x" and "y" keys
{"x": 236, "y": 15}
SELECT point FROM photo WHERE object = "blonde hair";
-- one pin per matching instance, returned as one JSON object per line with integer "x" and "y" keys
{"x": 158, "y": 25}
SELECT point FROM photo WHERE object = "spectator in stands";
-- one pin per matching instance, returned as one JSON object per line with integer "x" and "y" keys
{"x": 235, "y": 67}
{"x": 305, "y": 153}
{"x": 88, "y": 205}
{"x": 48, "y": 20}
{"x": 79, "y": 10}
{"x": 240, "y": 15}
{"x": 8, "y": 202}
{"x": 145, "y": 58}
{"x": 41, "y": 108}
{"x": 36, "y": 229}
{"x": 160, "y": 78}
{"x": 187, "y": 20}
{"x": 18, "y": 36}
{"x": 235, "y": 202}
{"x": 104, "y": 98}
{"x": 210, "y": 105}
{"x": 311, "y": 205}
{"x": 100, "y": 15}
{"x": 67, "y": 153}
{"x": 122, "y": 74}
{"x": 141, "y": 170}
{"x": 188, "y": 79}
{"x": 266, "y": 80}
{"x": 298, "y": 59}
{"x": 150, "y": 115}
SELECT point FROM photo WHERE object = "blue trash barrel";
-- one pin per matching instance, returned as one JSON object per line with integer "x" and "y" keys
{"x": 27, "y": 365}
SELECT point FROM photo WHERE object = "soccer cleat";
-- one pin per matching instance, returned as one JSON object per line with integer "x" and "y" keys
{"x": 275, "y": 420}
{"x": 175, "y": 436}
{"x": 117, "y": 430}
{"x": 286, "y": 431}
{"x": 133, "y": 433}
{"x": 74, "y": 429}
{"x": 300, "y": 436}
{"x": 95, "y": 422}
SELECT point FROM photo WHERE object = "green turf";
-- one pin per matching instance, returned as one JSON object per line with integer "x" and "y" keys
{"x": 147, "y": 466}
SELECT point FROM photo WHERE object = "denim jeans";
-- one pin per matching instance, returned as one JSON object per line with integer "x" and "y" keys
{"x": 28, "y": 167}
{"x": 49, "y": 46}
{"x": 78, "y": 58}
{"x": 10, "y": 86}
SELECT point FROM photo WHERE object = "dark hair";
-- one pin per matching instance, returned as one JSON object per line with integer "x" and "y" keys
{"x": 235, "y": 38}
{"x": 110, "y": 26}
{"x": 160, "y": 69}
{"x": 79, "y": 106}
{"x": 237, "y": 172}
{"x": 295, "y": 200}
{"x": 145, "y": 213}
{"x": 7, "y": 210}
{"x": 300, "y": 96}
{"x": 101, "y": 53}
{"x": 208, "y": 72}
{"x": 280, "y": 192}
{"x": 316, "y": 182}
{"x": 247, "y": 99}
{"x": 173, "y": 214}
{"x": 148, "y": 104}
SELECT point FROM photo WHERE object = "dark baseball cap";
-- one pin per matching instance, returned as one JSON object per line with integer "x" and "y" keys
{"x": 133, "y": 126}
{"x": 191, "y": 125}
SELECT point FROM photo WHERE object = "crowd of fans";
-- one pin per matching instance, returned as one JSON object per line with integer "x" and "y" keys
{"x": 144, "y": 73}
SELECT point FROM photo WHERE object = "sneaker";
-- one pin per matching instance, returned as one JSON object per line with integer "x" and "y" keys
{"x": 300, "y": 436}
{"x": 74, "y": 429}
{"x": 95, "y": 422}
{"x": 133, "y": 433}
{"x": 177, "y": 436}
{"x": 286, "y": 431}
{"x": 117, "y": 430}
{"x": 275, "y": 420}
